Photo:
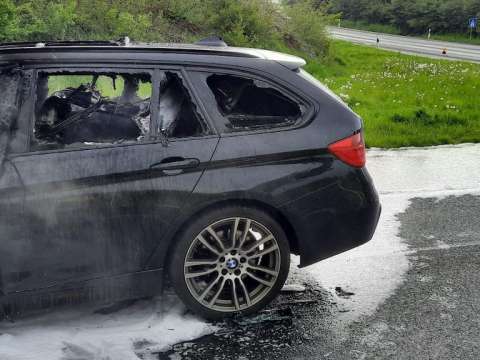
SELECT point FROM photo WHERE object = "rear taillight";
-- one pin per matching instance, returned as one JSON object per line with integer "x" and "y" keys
{"x": 350, "y": 150}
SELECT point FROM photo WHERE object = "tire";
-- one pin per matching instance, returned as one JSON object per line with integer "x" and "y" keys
{"x": 207, "y": 268}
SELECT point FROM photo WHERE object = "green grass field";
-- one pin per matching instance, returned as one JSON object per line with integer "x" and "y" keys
{"x": 405, "y": 100}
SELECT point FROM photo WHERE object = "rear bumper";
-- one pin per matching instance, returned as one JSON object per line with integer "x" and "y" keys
{"x": 346, "y": 216}
{"x": 345, "y": 233}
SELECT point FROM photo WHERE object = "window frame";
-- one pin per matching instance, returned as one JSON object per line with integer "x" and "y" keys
{"x": 284, "y": 87}
{"x": 21, "y": 101}
{"x": 154, "y": 69}
{"x": 81, "y": 68}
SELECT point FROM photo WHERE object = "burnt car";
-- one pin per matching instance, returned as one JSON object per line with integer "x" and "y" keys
{"x": 128, "y": 167}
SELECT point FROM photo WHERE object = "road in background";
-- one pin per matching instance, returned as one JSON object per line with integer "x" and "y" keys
{"x": 409, "y": 45}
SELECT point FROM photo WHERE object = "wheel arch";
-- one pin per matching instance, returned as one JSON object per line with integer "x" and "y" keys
{"x": 276, "y": 214}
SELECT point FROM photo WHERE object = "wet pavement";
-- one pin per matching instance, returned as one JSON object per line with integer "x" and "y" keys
{"x": 290, "y": 323}
{"x": 433, "y": 314}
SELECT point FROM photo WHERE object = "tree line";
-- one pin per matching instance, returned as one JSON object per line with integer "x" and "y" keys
{"x": 409, "y": 16}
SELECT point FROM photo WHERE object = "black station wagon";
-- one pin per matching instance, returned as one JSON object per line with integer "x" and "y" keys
{"x": 125, "y": 167}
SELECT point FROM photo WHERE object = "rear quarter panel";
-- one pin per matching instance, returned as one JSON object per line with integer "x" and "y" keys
{"x": 326, "y": 202}
{"x": 329, "y": 204}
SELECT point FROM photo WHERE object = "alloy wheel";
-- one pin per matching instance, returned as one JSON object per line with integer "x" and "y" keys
{"x": 232, "y": 264}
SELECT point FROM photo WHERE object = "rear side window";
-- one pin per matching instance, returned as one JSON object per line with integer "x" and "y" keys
{"x": 250, "y": 104}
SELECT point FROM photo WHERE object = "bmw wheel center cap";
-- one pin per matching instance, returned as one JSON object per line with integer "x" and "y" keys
{"x": 232, "y": 264}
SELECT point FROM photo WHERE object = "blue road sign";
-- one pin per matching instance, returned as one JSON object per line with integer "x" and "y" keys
{"x": 472, "y": 23}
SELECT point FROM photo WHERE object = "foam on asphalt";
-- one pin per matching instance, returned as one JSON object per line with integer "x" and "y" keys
{"x": 374, "y": 270}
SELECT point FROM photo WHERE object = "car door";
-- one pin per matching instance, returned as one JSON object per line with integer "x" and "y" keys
{"x": 100, "y": 209}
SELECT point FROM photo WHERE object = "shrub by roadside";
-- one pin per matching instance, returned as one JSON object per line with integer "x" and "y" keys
{"x": 255, "y": 23}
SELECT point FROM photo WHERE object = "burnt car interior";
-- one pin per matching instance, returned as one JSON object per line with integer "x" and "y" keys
{"x": 93, "y": 108}
{"x": 90, "y": 108}
{"x": 178, "y": 114}
{"x": 250, "y": 104}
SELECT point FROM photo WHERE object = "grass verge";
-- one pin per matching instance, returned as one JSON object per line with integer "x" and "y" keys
{"x": 404, "y": 100}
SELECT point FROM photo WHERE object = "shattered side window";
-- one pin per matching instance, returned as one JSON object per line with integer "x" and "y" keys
{"x": 90, "y": 109}
{"x": 250, "y": 104}
{"x": 178, "y": 114}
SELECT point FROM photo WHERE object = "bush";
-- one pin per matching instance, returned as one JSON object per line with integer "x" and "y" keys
{"x": 251, "y": 23}
{"x": 7, "y": 19}
{"x": 306, "y": 23}
{"x": 243, "y": 23}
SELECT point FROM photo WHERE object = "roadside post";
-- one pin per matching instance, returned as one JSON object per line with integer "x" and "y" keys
{"x": 472, "y": 24}
{"x": 429, "y": 33}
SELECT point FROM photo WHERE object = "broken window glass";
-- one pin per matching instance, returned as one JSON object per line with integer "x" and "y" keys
{"x": 178, "y": 114}
{"x": 88, "y": 109}
{"x": 250, "y": 104}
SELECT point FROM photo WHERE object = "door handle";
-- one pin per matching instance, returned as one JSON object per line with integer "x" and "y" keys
{"x": 175, "y": 165}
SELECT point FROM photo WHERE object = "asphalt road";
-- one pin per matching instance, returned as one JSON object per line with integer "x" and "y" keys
{"x": 434, "y": 314}
{"x": 410, "y": 45}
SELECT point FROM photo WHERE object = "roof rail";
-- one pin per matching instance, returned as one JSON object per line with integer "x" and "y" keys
{"x": 213, "y": 45}
{"x": 63, "y": 43}
{"x": 212, "y": 41}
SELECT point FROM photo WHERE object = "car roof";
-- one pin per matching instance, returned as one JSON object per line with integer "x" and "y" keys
{"x": 209, "y": 48}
